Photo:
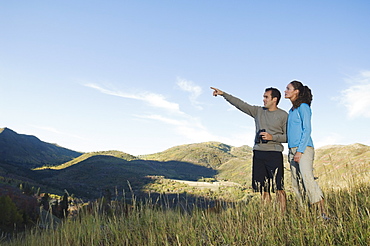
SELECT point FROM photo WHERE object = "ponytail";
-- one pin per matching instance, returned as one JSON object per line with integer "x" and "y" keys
{"x": 304, "y": 96}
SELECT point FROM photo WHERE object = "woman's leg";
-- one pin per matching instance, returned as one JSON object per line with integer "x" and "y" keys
{"x": 312, "y": 188}
{"x": 295, "y": 174}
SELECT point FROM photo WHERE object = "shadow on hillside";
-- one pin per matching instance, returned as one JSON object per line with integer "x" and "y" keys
{"x": 91, "y": 177}
{"x": 183, "y": 202}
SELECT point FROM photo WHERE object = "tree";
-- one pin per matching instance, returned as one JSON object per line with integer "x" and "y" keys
{"x": 9, "y": 215}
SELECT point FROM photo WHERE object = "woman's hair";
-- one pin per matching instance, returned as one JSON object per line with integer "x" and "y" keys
{"x": 304, "y": 95}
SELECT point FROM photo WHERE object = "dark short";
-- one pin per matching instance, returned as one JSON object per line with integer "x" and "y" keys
{"x": 267, "y": 171}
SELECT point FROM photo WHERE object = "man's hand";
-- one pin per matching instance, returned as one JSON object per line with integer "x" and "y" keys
{"x": 217, "y": 92}
{"x": 297, "y": 157}
{"x": 266, "y": 136}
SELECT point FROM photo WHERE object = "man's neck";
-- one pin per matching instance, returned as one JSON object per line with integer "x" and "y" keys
{"x": 272, "y": 108}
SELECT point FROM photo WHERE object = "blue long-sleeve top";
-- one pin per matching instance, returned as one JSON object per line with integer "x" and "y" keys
{"x": 299, "y": 128}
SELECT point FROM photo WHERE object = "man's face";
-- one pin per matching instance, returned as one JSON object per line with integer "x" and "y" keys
{"x": 268, "y": 102}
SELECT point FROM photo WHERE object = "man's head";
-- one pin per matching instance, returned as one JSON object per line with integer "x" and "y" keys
{"x": 271, "y": 97}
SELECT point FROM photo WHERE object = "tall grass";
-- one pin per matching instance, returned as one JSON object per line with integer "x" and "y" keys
{"x": 241, "y": 223}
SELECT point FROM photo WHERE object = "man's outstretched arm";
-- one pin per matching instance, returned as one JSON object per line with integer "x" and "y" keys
{"x": 239, "y": 104}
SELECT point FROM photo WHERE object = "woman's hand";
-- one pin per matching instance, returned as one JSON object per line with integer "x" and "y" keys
{"x": 297, "y": 157}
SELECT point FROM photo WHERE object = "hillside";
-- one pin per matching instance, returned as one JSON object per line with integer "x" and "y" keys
{"x": 334, "y": 166}
{"x": 91, "y": 176}
{"x": 29, "y": 151}
{"x": 231, "y": 163}
{"x": 209, "y": 154}
{"x": 91, "y": 173}
{"x": 27, "y": 159}
{"x": 341, "y": 165}
{"x": 85, "y": 156}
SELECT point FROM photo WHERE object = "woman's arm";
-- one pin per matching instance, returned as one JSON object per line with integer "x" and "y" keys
{"x": 305, "y": 114}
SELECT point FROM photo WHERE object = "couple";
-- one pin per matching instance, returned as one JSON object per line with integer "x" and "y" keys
{"x": 273, "y": 127}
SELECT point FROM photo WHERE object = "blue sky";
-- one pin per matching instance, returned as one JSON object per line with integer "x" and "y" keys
{"x": 134, "y": 76}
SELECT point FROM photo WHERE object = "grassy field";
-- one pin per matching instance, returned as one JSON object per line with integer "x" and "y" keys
{"x": 223, "y": 216}
{"x": 241, "y": 223}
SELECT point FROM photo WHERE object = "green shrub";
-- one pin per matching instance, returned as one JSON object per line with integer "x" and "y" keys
{"x": 9, "y": 216}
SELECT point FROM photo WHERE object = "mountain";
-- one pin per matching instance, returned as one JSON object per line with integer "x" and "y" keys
{"x": 29, "y": 151}
{"x": 89, "y": 174}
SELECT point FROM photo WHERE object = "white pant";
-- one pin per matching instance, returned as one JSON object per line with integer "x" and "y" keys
{"x": 302, "y": 176}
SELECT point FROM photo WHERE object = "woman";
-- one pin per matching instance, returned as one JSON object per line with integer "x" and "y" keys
{"x": 301, "y": 149}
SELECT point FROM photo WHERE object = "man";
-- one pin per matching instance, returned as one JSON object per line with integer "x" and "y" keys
{"x": 270, "y": 122}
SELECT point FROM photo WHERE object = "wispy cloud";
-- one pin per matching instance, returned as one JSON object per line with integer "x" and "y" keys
{"x": 55, "y": 131}
{"x": 192, "y": 129}
{"x": 194, "y": 90}
{"x": 356, "y": 97}
{"x": 188, "y": 126}
{"x": 181, "y": 123}
{"x": 48, "y": 128}
{"x": 154, "y": 100}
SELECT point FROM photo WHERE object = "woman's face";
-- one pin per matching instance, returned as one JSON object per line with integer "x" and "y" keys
{"x": 291, "y": 93}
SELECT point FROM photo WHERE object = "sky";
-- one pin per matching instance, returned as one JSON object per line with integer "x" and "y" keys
{"x": 135, "y": 76}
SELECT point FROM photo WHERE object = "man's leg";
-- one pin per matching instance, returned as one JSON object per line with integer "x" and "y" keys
{"x": 281, "y": 199}
{"x": 259, "y": 173}
{"x": 266, "y": 197}
{"x": 275, "y": 165}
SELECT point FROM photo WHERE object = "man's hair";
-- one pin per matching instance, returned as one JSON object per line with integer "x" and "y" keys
{"x": 274, "y": 93}
{"x": 304, "y": 95}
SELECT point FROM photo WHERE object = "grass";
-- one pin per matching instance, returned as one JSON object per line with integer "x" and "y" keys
{"x": 240, "y": 223}
{"x": 242, "y": 220}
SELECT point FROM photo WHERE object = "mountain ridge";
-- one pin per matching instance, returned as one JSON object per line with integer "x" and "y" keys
{"x": 88, "y": 173}
{"x": 30, "y": 151}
